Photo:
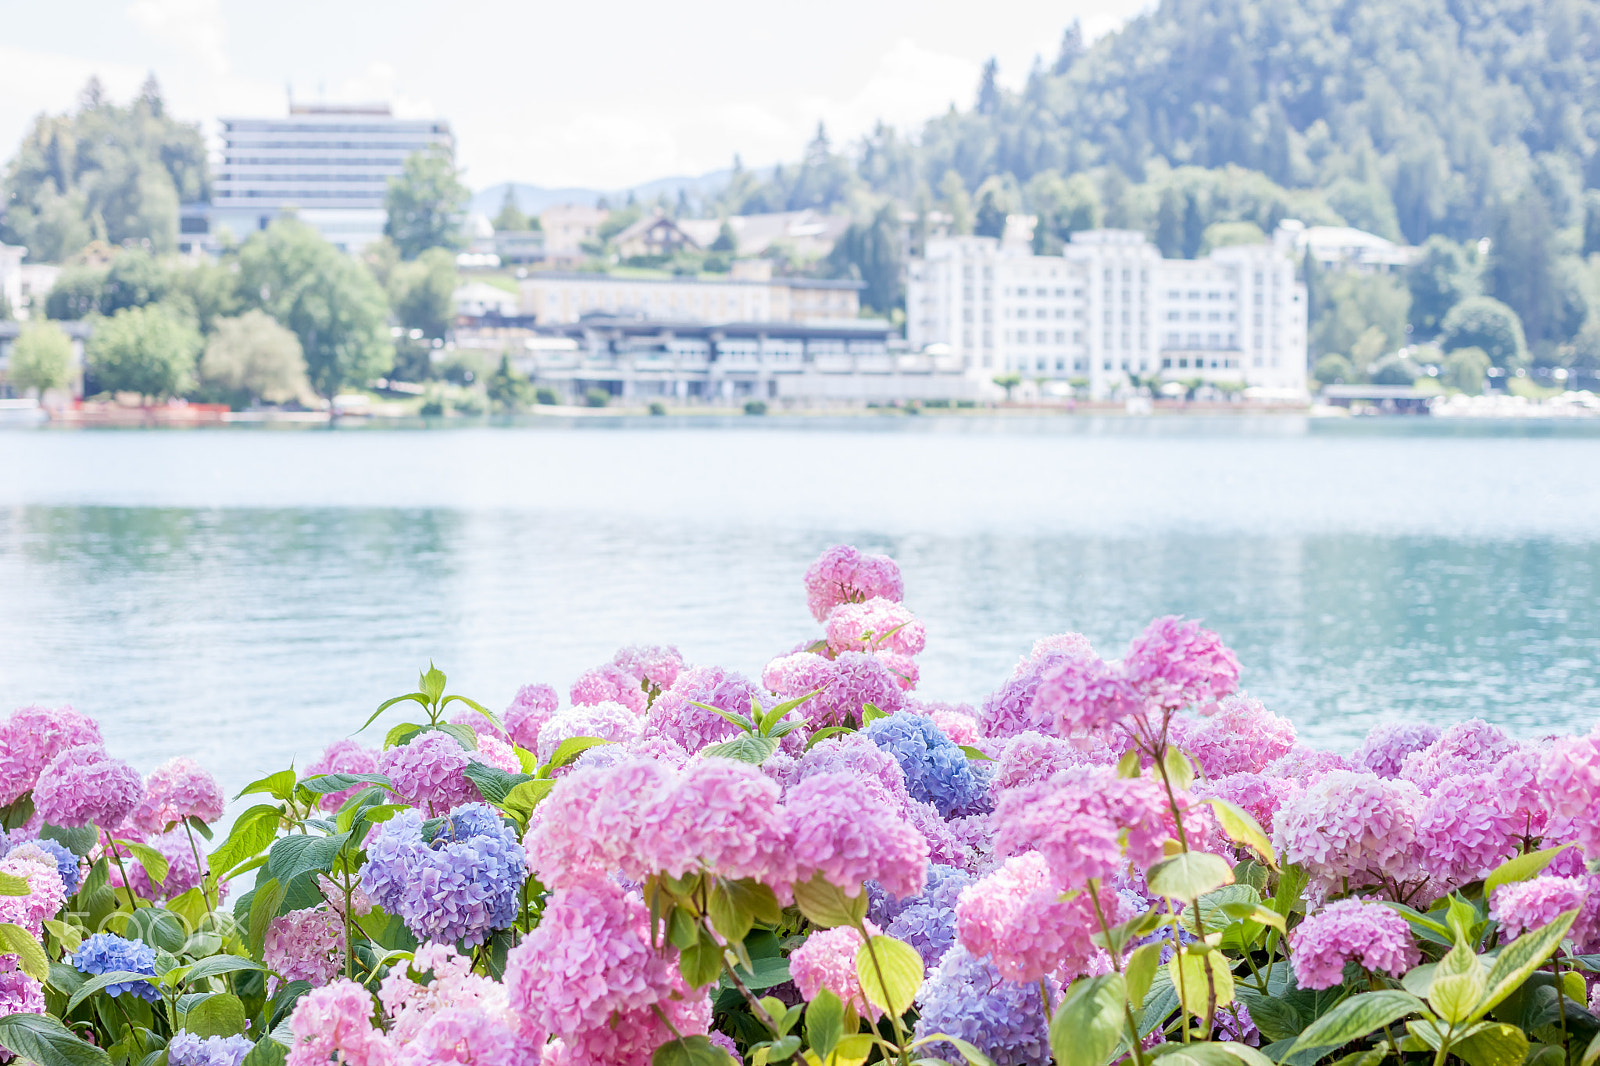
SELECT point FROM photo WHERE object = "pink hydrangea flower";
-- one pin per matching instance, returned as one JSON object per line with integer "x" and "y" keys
{"x": 855, "y": 680}
{"x": 720, "y": 815}
{"x": 336, "y": 1021}
{"x": 632, "y": 1036}
{"x": 590, "y": 823}
{"x": 1176, "y": 663}
{"x": 948, "y": 844}
{"x": 875, "y": 625}
{"x": 656, "y": 665}
{"x": 1017, "y": 918}
{"x": 462, "y": 1035}
{"x": 31, "y": 737}
{"x": 1242, "y": 737}
{"x": 1348, "y": 825}
{"x": 959, "y": 726}
{"x": 306, "y": 945}
{"x": 608, "y": 683}
{"x": 1470, "y": 747}
{"x": 47, "y": 893}
{"x": 676, "y": 713}
{"x": 794, "y": 675}
{"x": 1350, "y": 930}
{"x": 1258, "y": 794}
{"x": 479, "y": 724}
{"x": 1305, "y": 765}
{"x": 20, "y": 994}
{"x": 1571, "y": 774}
{"x": 1072, "y": 644}
{"x": 1519, "y": 787}
{"x": 345, "y": 756}
{"x": 177, "y": 790}
{"x": 1014, "y": 707}
{"x": 828, "y": 960}
{"x": 426, "y": 772}
{"x": 840, "y": 829}
{"x": 83, "y": 786}
{"x": 1464, "y": 830}
{"x": 532, "y": 706}
{"x": 411, "y": 1005}
{"x": 902, "y": 668}
{"x": 1523, "y": 906}
{"x": 493, "y": 751}
{"x": 183, "y": 870}
{"x": 1387, "y": 745}
{"x": 843, "y": 574}
{"x": 608, "y": 721}
{"x": 1031, "y": 757}
{"x": 589, "y": 958}
{"x": 857, "y": 755}
{"x": 1083, "y": 694}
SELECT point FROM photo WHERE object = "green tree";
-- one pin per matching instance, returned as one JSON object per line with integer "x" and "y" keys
{"x": 41, "y": 358}
{"x": 1169, "y": 224}
{"x": 1008, "y": 382}
{"x": 135, "y": 279}
{"x": 102, "y": 172}
{"x": 252, "y": 357}
{"x": 1335, "y": 369}
{"x": 510, "y": 218}
{"x": 994, "y": 205}
{"x": 148, "y": 350}
{"x": 426, "y": 203}
{"x": 1485, "y": 323}
{"x": 727, "y": 240}
{"x": 509, "y": 390}
{"x": 1522, "y": 264}
{"x": 326, "y": 298}
{"x": 212, "y": 289}
{"x": 956, "y": 202}
{"x": 1442, "y": 276}
{"x": 1466, "y": 369}
{"x": 871, "y": 252}
{"x": 1348, "y": 304}
{"x": 76, "y": 293}
{"x": 422, "y": 292}
{"x": 1194, "y": 227}
{"x": 1395, "y": 369}
{"x": 1227, "y": 234}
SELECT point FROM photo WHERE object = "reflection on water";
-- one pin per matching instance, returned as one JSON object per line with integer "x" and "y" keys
{"x": 246, "y": 637}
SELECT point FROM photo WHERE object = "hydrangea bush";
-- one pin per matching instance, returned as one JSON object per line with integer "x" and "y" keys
{"x": 1108, "y": 861}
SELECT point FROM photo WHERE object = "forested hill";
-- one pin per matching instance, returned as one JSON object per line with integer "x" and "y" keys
{"x": 1414, "y": 116}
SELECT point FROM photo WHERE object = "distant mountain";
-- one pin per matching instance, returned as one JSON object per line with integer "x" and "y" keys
{"x": 532, "y": 199}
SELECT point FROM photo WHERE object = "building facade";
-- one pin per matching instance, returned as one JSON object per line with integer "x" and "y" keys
{"x": 640, "y": 359}
{"x": 745, "y": 296}
{"x": 329, "y": 165}
{"x": 1110, "y": 309}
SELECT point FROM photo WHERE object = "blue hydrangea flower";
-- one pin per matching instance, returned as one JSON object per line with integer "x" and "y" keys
{"x": 927, "y": 922}
{"x": 456, "y": 887}
{"x": 187, "y": 1049}
{"x": 936, "y": 769}
{"x": 66, "y": 862}
{"x": 108, "y": 953}
{"x": 966, "y": 997}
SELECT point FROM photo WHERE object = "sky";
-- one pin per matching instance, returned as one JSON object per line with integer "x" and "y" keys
{"x": 602, "y": 95}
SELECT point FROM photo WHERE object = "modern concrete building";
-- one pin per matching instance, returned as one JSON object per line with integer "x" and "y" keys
{"x": 639, "y": 358}
{"x": 750, "y": 294}
{"x": 1110, "y": 309}
{"x": 329, "y": 164}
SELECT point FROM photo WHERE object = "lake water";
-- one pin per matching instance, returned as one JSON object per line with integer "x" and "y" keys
{"x": 246, "y": 596}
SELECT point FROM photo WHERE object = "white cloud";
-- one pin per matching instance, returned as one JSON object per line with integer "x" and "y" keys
{"x": 193, "y": 27}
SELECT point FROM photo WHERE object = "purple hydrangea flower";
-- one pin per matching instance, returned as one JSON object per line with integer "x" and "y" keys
{"x": 453, "y": 888}
{"x": 936, "y": 770}
{"x": 107, "y": 953}
{"x": 966, "y": 997}
{"x": 187, "y": 1049}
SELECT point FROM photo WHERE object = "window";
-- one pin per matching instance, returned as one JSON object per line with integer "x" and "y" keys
{"x": 1213, "y": 295}
{"x": 1061, "y": 336}
{"x": 1193, "y": 295}
{"x": 1061, "y": 312}
{"x": 1259, "y": 361}
{"x": 1174, "y": 316}
{"x": 1061, "y": 364}
{"x": 1174, "y": 295}
{"x": 1039, "y": 336}
{"x": 1173, "y": 340}
{"x": 1060, "y": 293}
{"x": 1194, "y": 316}
{"x": 1194, "y": 340}
{"x": 1166, "y": 364}
{"x": 1214, "y": 316}
{"x": 1213, "y": 340}
{"x": 1041, "y": 292}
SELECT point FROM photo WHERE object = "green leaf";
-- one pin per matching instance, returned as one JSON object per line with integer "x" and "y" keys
{"x": 1458, "y": 984}
{"x": 1189, "y": 875}
{"x": 871, "y": 712}
{"x": 419, "y": 698}
{"x": 1242, "y": 828}
{"x": 295, "y": 855}
{"x": 216, "y": 965}
{"x": 1519, "y": 958}
{"x": 1276, "y": 1018}
{"x": 12, "y": 885}
{"x": 493, "y": 783}
{"x": 1087, "y": 1026}
{"x": 221, "y": 1014}
{"x": 251, "y": 833}
{"x": 70, "y": 937}
{"x": 781, "y": 710}
{"x": 745, "y": 748}
{"x": 890, "y": 972}
{"x": 1129, "y": 764}
{"x": 745, "y": 723}
{"x": 1140, "y": 971}
{"x": 523, "y": 798}
{"x": 1592, "y": 1053}
{"x": 1213, "y": 908}
{"x": 1202, "y": 980}
{"x": 401, "y": 734}
{"x": 279, "y": 785}
{"x": 263, "y": 908}
{"x": 432, "y": 682}
{"x": 730, "y": 914}
{"x": 825, "y": 1023}
{"x": 570, "y": 749}
{"x": 158, "y": 927}
{"x": 325, "y": 784}
{"x": 1357, "y": 1017}
{"x": 475, "y": 705}
{"x": 1493, "y": 1044}
{"x": 1180, "y": 771}
{"x": 267, "y": 1052}
{"x": 825, "y": 732}
{"x": 765, "y": 973}
{"x": 527, "y": 760}
{"x": 154, "y": 863}
{"x": 464, "y": 734}
{"x": 31, "y": 959}
{"x": 42, "y": 1039}
{"x": 100, "y": 981}
{"x": 1520, "y": 868}
{"x": 78, "y": 839}
{"x": 689, "y": 1051}
{"x": 969, "y": 1051}
{"x": 975, "y": 754}
{"x": 826, "y": 904}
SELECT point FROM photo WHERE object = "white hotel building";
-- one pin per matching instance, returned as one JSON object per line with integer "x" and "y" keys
{"x": 1109, "y": 307}
{"x": 329, "y": 164}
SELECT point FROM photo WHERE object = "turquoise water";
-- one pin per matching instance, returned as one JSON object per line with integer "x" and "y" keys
{"x": 246, "y": 596}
